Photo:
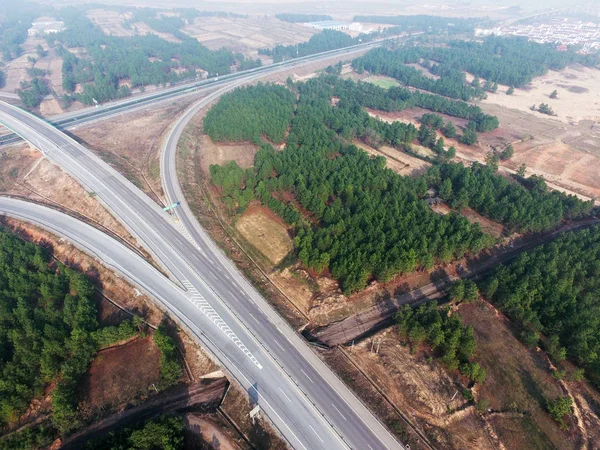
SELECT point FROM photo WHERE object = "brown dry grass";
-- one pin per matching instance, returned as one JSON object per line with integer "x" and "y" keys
{"x": 266, "y": 232}
{"x": 517, "y": 379}
{"x": 297, "y": 285}
{"x": 120, "y": 374}
{"x": 132, "y": 142}
{"x": 423, "y": 391}
{"x": 23, "y": 172}
{"x": 220, "y": 153}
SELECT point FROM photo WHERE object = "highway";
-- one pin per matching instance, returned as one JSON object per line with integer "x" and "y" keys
{"x": 184, "y": 89}
{"x": 307, "y": 403}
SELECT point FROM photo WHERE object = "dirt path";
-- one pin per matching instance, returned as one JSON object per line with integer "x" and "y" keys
{"x": 210, "y": 432}
{"x": 380, "y": 315}
{"x": 205, "y": 395}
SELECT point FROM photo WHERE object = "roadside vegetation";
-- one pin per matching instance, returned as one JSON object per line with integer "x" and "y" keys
{"x": 111, "y": 66}
{"x": 449, "y": 339}
{"x": 552, "y": 293}
{"x": 141, "y": 60}
{"x": 361, "y": 220}
{"x": 49, "y": 335}
{"x": 249, "y": 114}
{"x": 164, "y": 432}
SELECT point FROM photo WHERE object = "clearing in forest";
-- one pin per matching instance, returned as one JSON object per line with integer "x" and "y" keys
{"x": 265, "y": 232}
{"x": 399, "y": 162}
{"x": 122, "y": 372}
{"x": 381, "y": 81}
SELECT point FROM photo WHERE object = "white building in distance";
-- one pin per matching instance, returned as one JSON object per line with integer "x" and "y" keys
{"x": 46, "y": 27}
{"x": 328, "y": 25}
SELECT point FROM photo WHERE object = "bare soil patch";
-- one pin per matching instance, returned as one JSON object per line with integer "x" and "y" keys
{"x": 578, "y": 94}
{"x": 266, "y": 232}
{"x": 421, "y": 390}
{"x": 212, "y": 431}
{"x": 397, "y": 160}
{"x": 121, "y": 373}
{"x": 487, "y": 225}
{"x": 563, "y": 165}
{"x": 220, "y": 153}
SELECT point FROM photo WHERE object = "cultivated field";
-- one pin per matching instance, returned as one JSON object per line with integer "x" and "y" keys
{"x": 247, "y": 35}
{"x": 111, "y": 22}
{"x": 16, "y": 70}
{"x": 266, "y": 232}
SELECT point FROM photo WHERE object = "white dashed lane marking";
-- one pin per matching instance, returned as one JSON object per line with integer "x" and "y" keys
{"x": 183, "y": 230}
{"x": 200, "y": 302}
{"x": 316, "y": 433}
{"x": 306, "y": 375}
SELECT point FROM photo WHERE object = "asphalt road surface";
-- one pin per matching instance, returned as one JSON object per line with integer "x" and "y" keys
{"x": 307, "y": 403}
{"x": 184, "y": 89}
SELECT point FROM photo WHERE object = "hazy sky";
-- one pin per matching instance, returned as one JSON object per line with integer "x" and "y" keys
{"x": 378, "y": 6}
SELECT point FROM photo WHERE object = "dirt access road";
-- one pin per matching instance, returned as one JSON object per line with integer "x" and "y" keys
{"x": 362, "y": 324}
{"x": 205, "y": 395}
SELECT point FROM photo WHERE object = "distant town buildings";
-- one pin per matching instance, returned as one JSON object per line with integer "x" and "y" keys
{"x": 45, "y": 27}
{"x": 560, "y": 31}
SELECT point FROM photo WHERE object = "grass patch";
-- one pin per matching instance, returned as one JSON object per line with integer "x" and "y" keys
{"x": 382, "y": 82}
